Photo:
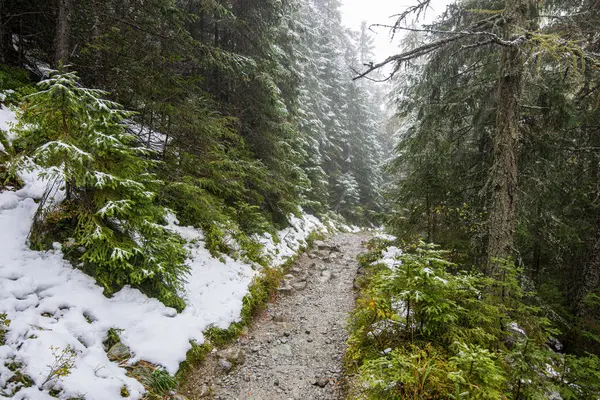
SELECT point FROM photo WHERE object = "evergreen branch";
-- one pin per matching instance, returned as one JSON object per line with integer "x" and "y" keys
{"x": 409, "y": 55}
{"x": 493, "y": 37}
{"x": 137, "y": 27}
{"x": 472, "y": 30}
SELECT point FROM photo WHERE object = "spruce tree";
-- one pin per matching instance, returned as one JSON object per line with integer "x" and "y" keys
{"x": 110, "y": 210}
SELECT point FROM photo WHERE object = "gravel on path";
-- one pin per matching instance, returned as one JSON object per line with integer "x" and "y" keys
{"x": 294, "y": 349}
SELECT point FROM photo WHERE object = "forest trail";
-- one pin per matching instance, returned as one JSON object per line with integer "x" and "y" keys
{"x": 294, "y": 349}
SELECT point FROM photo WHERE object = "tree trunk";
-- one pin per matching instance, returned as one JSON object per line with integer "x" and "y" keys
{"x": 2, "y": 23}
{"x": 63, "y": 30}
{"x": 503, "y": 174}
{"x": 590, "y": 279}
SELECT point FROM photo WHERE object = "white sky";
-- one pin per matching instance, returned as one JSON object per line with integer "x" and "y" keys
{"x": 379, "y": 12}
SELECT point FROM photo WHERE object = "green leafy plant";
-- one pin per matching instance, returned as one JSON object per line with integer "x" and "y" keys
{"x": 4, "y": 325}
{"x": 112, "y": 338}
{"x": 64, "y": 361}
{"x": 161, "y": 383}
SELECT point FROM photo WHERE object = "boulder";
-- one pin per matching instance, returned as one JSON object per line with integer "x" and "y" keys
{"x": 118, "y": 352}
{"x": 234, "y": 355}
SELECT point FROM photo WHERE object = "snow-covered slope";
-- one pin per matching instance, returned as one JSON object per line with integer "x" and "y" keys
{"x": 53, "y": 307}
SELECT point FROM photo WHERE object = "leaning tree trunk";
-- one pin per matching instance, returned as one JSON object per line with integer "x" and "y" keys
{"x": 503, "y": 174}
{"x": 63, "y": 30}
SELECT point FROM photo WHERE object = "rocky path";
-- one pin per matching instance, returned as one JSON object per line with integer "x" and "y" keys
{"x": 294, "y": 349}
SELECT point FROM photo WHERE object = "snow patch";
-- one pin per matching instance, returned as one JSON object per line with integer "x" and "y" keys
{"x": 390, "y": 257}
{"x": 289, "y": 240}
{"x": 7, "y": 118}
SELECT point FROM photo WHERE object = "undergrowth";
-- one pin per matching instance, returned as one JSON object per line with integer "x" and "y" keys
{"x": 424, "y": 329}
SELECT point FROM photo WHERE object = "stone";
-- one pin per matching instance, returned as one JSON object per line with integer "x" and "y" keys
{"x": 118, "y": 352}
{"x": 278, "y": 318}
{"x": 225, "y": 365}
{"x": 234, "y": 355}
{"x": 319, "y": 244}
{"x": 321, "y": 382}
{"x": 322, "y": 246}
{"x": 142, "y": 374}
{"x": 179, "y": 397}
{"x": 282, "y": 350}
{"x": 326, "y": 275}
{"x": 286, "y": 288}
{"x": 204, "y": 391}
{"x": 301, "y": 285}
{"x": 321, "y": 254}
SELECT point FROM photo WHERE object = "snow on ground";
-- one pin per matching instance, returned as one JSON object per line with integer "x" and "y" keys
{"x": 150, "y": 138}
{"x": 385, "y": 236}
{"x": 390, "y": 256}
{"x": 350, "y": 228}
{"x": 7, "y": 117}
{"x": 53, "y": 307}
{"x": 290, "y": 239}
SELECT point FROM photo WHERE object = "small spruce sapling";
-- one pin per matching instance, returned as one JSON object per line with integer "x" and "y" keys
{"x": 81, "y": 139}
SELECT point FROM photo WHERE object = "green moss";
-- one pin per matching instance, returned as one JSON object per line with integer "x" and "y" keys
{"x": 21, "y": 379}
{"x": 112, "y": 338}
{"x": 194, "y": 356}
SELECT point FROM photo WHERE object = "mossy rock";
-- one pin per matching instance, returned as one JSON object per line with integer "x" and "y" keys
{"x": 118, "y": 352}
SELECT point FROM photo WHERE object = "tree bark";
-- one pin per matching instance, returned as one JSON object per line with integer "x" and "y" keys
{"x": 590, "y": 279}
{"x": 2, "y": 33}
{"x": 63, "y": 30}
{"x": 503, "y": 174}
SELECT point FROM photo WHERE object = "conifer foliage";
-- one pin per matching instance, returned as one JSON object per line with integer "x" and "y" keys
{"x": 424, "y": 329}
{"x": 241, "y": 114}
{"x": 81, "y": 141}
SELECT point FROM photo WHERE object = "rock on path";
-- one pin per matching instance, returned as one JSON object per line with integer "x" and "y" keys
{"x": 293, "y": 350}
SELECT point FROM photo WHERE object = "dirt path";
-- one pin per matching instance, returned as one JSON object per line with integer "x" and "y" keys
{"x": 294, "y": 350}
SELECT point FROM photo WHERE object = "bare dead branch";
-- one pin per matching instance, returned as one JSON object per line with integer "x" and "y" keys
{"x": 418, "y": 9}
